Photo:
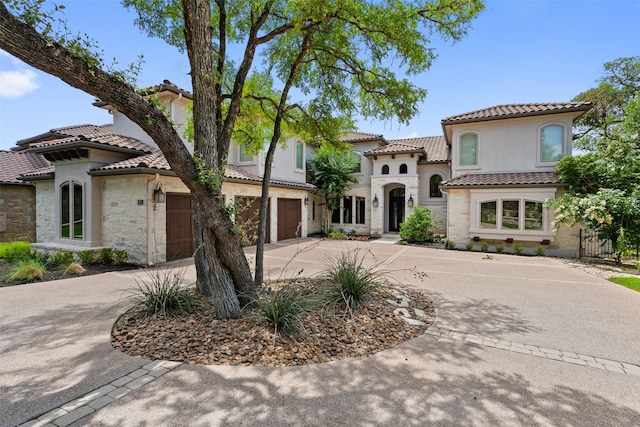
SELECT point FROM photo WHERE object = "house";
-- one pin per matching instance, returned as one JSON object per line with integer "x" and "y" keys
{"x": 484, "y": 179}
{"x": 17, "y": 197}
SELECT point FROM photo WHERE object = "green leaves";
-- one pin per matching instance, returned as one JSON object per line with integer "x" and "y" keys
{"x": 330, "y": 171}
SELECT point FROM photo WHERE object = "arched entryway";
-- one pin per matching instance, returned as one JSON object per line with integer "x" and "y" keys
{"x": 395, "y": 212}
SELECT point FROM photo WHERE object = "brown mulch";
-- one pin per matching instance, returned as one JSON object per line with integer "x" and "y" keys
{"x": 200, "y": 338}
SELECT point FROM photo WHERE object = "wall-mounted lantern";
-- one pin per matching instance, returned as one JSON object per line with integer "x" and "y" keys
{"x": 375, "y": 201}
{"x": 158, "y": 195}
{"x": 410, "y": 201}
{"x": 306, "y": 200}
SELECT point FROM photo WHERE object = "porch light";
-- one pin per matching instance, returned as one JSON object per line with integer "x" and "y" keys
{"x": 159, "y": 196}
{"x": 306, "y": 200}
{"x": 410, "y": 201}
{"x": 375, "y": 201}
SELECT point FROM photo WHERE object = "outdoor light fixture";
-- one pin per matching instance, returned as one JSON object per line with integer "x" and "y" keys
{"x": 306, "y": 200}
{"x": 375, "y": 201}
{"x": 410, "y": 201}
{"x": 159, "y": 196}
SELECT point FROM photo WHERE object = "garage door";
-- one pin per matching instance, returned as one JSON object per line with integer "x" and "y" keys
{"x": 289, "y": 215}
{"x": 247, "y": 216}
{"x": 179, "y": 235}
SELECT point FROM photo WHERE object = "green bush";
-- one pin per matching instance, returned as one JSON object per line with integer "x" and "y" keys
{"x": 163, "y": 292}
{"x": 469, "y": 246}
{"x": 15, "y": 250}
{"x": 419, "y": 227}
{"x": 451, "y": 244}
{"x": 282, "y": 310}
{"x": 484, "y": 246}
{"x": 499, "y": 248}
{"x": 106, "y": 255}
{"x": 87, "y": 257}
{"x": 517, "y": 248}
{"x": 351, "y": 280}
{"x": 119, "y": 256}
{"x": 539, "y": 251}
{"x": 338, "y": 235}
{"x": 28, "y": 269}
{"x": 61, "y": 259}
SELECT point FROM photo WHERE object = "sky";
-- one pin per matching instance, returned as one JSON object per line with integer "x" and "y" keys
{"x": 517, "y": 51}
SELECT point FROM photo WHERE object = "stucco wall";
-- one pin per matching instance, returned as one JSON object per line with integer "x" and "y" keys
{"x": 17, "y": 213}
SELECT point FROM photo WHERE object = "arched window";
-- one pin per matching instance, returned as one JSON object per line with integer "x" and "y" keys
{"x": 551, "y": 143}
{"x": 385, "y": 169}
{"x": 71, "y": 211}
{"x": 403, "y": 168}
{"x": 434, "y": 186}
{"x": 468, "y": 149}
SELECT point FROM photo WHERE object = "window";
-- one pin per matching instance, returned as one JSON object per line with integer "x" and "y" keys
{"x": 468, "y": 149}
{"x": 299, "y": 155}
{"x": 551, "y": 143}
{"x": 359, "y": 166}
{"x": 245, "y": 155}
{"x": 517, "y": 215}
{"x": 403, "y": 168}
{"x": 434, "y": 186}
{"x": 347, "y": 210}
{"x": 71, "y": 206}
{"x": 313, "y": 211}
{"x": 385, "y": 169}
{"x": 510, "y": 214}
{"x": 360, "y": 210}
{"x": 532, "y": 215}
{"x": 335, "y": 216}
{"x": 488, "y": 217}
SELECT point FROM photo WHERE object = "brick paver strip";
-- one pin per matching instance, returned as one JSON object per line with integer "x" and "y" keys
{"x": 532, "y": 350}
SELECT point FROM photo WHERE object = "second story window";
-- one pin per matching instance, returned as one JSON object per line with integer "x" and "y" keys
{"x": 434, "y": 186}
{"x": 245, "y": 156}
{"x": 299, "y": 155}
{"x": 385, "y": 169}
{"x": 551, "y": 143}
{"x": 359, "y": 166}
{"x": 403, "y": 169}
{"x": 468, "y": 149}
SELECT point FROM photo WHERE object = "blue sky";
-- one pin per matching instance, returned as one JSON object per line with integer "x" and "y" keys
{"x": 516, "y": 52}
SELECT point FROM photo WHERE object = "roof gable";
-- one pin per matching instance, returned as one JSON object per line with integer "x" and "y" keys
{"x": 14, "y": 164}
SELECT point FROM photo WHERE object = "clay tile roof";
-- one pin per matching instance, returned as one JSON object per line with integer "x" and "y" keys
{"x": 60, "y": 133}
{"x": 507, "y": 179}
{"x": 396, "y": 148}
{"x": 516, "y": 110}
{"x": 42, "y": 173}
{"x": 234, "y": 173}
{"x": 434, "y": 147}
{"x": 166, "y": 86}
{"x": 14, "y": 164}
{"x": 154, "y": 160}
{"x": 96, "y": 136}
{"x": 360, "y": 137}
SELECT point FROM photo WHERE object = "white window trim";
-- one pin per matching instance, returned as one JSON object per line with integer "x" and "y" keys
{"x": 522, "y": 195}
{"x": 458, "y": 151}
{"x": 566, "y": 144}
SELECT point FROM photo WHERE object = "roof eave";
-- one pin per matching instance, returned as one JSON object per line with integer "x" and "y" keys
{"x": 469, "y": 186}
{"x": 87, "y": 144}
{"x": 131, "y": 171}
{"x": 578, "y": 108}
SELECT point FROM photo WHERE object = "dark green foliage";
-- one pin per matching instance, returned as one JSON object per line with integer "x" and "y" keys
{"x": 499, "y": 248}
{"x": 484, "y": 246}
{"x": 351, "y": 280}
{"x": 119, "y": 256}
{"x": 419, "y": 227}
{"x": 86, "y": 257}
{"x": 163, "y": 293}
{"x": 469, "y": 246}
{"x": 106, "y": 255}
{"x": 61, "y": 259}
{"x": 539, "y": 251}
{"x": 517, "y": 248}
{"x": 282, "y": 310}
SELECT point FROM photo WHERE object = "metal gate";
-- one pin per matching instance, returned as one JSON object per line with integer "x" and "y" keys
{"x": 591, "y": 246}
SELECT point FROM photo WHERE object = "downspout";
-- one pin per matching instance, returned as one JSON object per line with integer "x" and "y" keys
{"x": 152, "y": 183}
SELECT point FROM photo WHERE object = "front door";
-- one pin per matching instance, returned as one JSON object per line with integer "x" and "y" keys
{"x": 396, "y": 208}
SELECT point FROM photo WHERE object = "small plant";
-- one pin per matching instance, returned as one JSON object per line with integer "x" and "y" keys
{"x": 119, "y": 256}
{"x": 469, "y": 246}
{"x": 61, "y": 259}
{"x": 15, "y": 250}
{"x": 338, "y": 235}
{"x": 484, "y": 246}
{"x": 450, "y": 244}
{"x": 163, "y": 292}
{"x": 106, "y": 255}
{"x": 42, "y": 257}
{"x": 86, "y": 257}
{"x": 419, "y": 226}
{"x": 282, "y": 310}
{"x": 499, "y": 248}
{"x": 28, "y": 269}
{"x": 517, "y": 248}
{"x": 539, "y": 251}
{"x": 74, "y": 268}
{"x": 351, "y": 280}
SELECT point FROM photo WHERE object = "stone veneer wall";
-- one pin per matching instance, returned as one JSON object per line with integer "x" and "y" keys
{"x": 439, "y": 212}
{"x": 458, "y": 216}
{"x": 18, "y": 208}
{"x": 379, "y": 187}
{"x": 45, "y": 215}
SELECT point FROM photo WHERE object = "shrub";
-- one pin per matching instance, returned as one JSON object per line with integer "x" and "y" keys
{"x": 499, "y": 248}
{"x": 28, "y": 270}
{"x": 163, "y": 292}
{"x": 517, "y": 248}
{"x": 484, "y": 246}
{"x": 61, "y": 259}
{"x": 338, "y": 235}
{"x": 42, "y": 257}
{"x": 451, "y": 244}
{"x": 119, "y": 256}
{"x": 539, "y": 251}
{"x": 74, "y": 268}
{"x": 87, "y": 257}
{"x": 469, "y": 246}
{"x": 106, "y": 255}
{"x": 351, "y": 280}
{"x": 419, "y": 227}
{"x": 282, "y": 310}
{"x": 15, "y": 250}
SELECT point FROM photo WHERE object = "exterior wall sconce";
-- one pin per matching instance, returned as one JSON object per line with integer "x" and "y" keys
{"x": 375, "y": 201}
{"x": 306, "y": 200}
{"x": 410, "y": 201}
{"x": 159, "y": 196}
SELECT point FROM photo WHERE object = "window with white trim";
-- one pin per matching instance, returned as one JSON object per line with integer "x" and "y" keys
{"x": 71, "y": 210}
{"x": 551, "y": 143}
{"x": 468, "y": 145}
{"x": 511, "y": 214}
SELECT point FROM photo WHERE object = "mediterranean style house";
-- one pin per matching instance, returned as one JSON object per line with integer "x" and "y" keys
{"x": 484, "y": 179}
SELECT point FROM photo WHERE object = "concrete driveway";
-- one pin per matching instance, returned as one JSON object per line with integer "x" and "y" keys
{"x": 517, "y": 341}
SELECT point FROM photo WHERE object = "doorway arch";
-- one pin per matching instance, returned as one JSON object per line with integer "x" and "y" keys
{"x": 395, "y": 208}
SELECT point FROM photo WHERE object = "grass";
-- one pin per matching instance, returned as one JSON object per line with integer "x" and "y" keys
{"x": 15, "y": 250}
{"x": 351, "y": 279}
{"x": 28, "y": 270}
{"x": 163, "y": 292}
{"x": 628, "y": 282}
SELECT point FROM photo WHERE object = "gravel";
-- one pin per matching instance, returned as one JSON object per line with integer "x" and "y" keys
{"x": 200, "y": 338}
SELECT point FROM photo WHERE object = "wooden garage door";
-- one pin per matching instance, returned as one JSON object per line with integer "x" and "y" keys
{"x": 179, "y": 235}
{"x": 289, "y": 215}
{"x": 247, "y": 216}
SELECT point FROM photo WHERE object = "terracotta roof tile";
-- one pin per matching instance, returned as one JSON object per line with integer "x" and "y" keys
{"x": 507, "y": 179}
{"x": 360, "y": 137}
{"x": 154, "y": 160}
{"x": 46, "y": 172}
{"x": 99, "y": 135}
{"x": 60, "y": 133}
{"x": 14, "y": 164}
{"x": 434, "y": 147}
{"x": 516, "y": 110}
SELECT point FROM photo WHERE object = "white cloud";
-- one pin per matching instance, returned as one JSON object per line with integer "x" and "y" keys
{"x": 17, "y": 83}
{"x": 413, "y": 134}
